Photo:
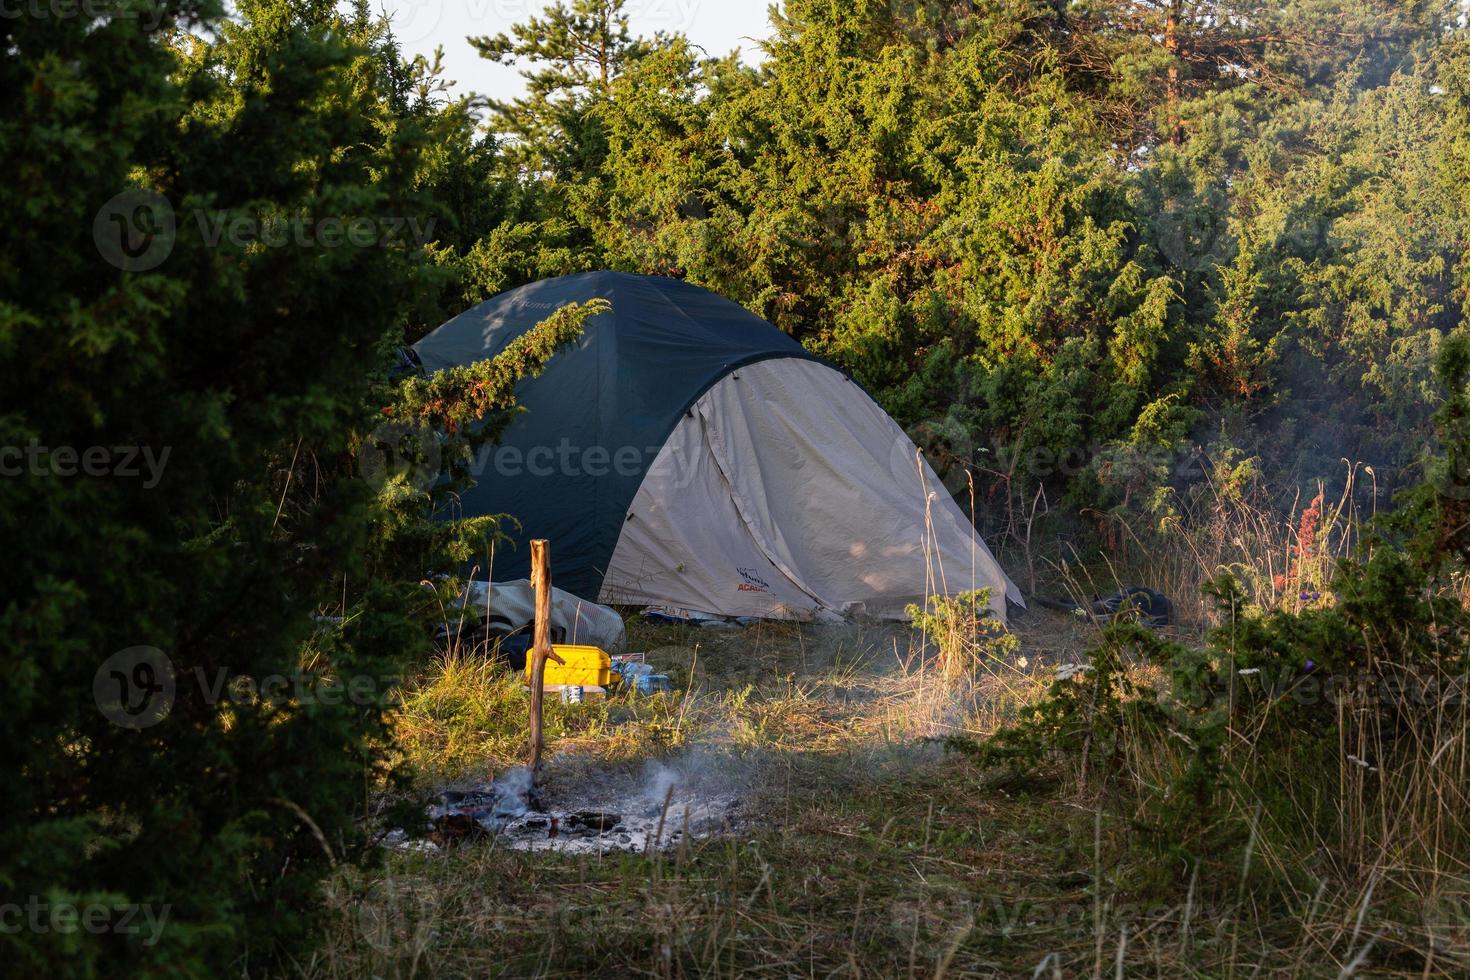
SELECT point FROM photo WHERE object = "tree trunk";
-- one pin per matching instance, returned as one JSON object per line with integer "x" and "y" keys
{"x": 1171, "y": 45}
{"x": 540, "y": 643}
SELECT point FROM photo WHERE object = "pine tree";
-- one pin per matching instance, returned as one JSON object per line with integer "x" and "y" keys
{"x": 209, "y": 600}
{"x": 573, "y": 52}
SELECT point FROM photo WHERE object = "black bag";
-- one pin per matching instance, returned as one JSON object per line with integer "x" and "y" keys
{"x": 499, "y": 638}
{"x": 1151, "y": 606}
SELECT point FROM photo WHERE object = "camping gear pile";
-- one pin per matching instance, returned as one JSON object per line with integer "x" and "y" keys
{"x": 497, "y": 620}
{"x": 589, "y": 673}
{"x": 1149, "y": 606}
{"x": 639, "y": 677}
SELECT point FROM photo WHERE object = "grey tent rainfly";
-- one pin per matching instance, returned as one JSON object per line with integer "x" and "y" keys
{"x": 686, "y": 453}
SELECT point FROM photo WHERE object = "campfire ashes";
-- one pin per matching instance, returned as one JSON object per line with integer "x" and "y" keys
{"x": 658, "y": 813}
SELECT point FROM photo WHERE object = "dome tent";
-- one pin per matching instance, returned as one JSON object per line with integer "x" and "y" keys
{"x": 684, "y": 452}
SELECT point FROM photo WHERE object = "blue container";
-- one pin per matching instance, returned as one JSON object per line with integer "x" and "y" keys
{"x": 651, "y": 683}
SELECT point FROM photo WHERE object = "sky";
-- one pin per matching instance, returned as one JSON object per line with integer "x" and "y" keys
{"x": 718, "y": 26}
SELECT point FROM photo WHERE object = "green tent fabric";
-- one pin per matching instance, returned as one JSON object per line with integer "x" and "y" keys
{"x": 568, "y": 468}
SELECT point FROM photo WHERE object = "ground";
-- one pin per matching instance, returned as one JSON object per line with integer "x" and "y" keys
{"x": 864, "y": 844}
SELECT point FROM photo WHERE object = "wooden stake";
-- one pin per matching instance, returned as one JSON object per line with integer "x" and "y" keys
{"x": 540, "y": 644}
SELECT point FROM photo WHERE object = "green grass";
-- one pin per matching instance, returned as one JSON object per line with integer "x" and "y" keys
{"x": 466, "y": 719}
{"x": 867, "y": 849}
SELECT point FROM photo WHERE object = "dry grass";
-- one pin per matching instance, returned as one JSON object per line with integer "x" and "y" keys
{"x": 769, "y": 686}
{"x": 869, "y": 850}
{"x": 1382, "y": 888}
{"x": 1229, "y": 523}
{"x": 856, "y": 816}
{"x": 1381, "y": 884}
{"x": 869, "y": 865}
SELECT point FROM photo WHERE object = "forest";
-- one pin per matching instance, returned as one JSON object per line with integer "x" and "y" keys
{"x": 1168, "y": 293}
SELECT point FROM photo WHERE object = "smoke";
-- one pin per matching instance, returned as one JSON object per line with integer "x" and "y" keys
{"x": 507, "y": 798}
{"x": 659, "y": 780}
{"x": 512, "y": 793}
{"x": 711, "y": 769}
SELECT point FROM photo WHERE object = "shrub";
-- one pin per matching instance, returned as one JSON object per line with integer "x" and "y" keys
{"x": 1338, "y": 722}
{"x": 202, "y": 656}
{"x": 964, "y": 630}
